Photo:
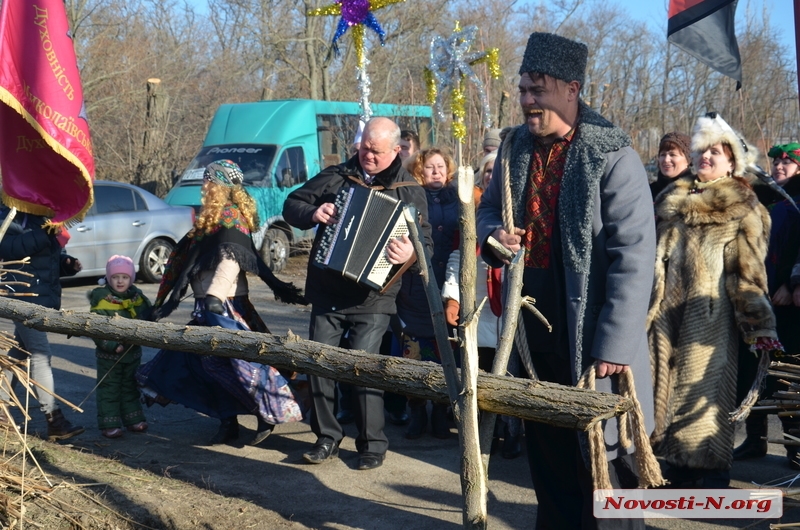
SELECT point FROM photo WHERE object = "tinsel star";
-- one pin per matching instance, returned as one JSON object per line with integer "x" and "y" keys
{"x": 450, "y": 62}
{"x": 356, "y": 14}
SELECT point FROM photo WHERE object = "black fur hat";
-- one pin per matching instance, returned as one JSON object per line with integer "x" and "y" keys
{"x": 556, "y": 56}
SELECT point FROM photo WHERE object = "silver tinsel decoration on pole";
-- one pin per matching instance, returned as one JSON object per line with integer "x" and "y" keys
{"x": 450, "y": 61}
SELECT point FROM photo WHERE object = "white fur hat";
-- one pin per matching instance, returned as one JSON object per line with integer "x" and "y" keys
{"x": 711, "y": 129}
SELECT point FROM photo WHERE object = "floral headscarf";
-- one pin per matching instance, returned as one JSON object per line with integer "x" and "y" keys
{"x": 224, "y": 172}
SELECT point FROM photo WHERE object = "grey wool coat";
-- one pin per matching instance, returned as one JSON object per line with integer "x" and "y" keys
{"x": 605, "y": 214}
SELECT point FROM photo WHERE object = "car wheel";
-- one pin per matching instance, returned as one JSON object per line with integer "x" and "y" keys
{"x": 275, "y": 249}
{"x": 154, "y": 260}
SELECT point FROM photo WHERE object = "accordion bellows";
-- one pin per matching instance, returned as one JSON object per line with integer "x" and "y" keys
{"x": 355, "y": 246}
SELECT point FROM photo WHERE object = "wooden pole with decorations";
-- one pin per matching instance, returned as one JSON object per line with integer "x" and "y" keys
{"x": 451, "y": 62}
{"x": 357, "y": 14}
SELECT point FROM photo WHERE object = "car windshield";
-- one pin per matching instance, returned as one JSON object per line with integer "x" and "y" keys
{"x": 255, "y": 161}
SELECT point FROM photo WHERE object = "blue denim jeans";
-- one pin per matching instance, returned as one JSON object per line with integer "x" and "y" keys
{"x": 35, "y": 342}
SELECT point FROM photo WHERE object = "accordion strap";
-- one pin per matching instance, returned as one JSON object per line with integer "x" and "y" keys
{"x": 390, "y": 187}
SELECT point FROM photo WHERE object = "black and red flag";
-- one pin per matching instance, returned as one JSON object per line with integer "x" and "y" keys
{"x": 705, "y": 30}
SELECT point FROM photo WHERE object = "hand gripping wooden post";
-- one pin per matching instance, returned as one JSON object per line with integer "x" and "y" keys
{"x": 630, "y": 423}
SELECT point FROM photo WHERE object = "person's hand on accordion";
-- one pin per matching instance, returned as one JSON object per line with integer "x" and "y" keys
{"x": 399, "y": 250}
{"x": 325, "y": 214}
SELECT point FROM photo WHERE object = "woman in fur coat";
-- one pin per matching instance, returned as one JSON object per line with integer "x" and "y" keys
{"x": 710, "y": 286}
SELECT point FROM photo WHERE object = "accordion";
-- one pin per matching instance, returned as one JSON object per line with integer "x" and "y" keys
{"x": 355, "y": 246}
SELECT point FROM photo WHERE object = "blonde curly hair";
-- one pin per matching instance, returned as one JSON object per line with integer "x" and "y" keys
{"x": 215, "y": 198}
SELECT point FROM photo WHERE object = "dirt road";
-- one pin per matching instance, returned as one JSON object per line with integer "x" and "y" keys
{"x": 168, "y": 478}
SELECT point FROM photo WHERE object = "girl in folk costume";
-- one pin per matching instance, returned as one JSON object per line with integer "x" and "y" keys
{"x": 710, "y": 286}
{"x": 214, "y": 258}
{"x": 117, "y": 395}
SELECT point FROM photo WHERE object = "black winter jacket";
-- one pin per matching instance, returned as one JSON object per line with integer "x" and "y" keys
{"x": 26, "y": 237}
{"x": 327, "y": 290}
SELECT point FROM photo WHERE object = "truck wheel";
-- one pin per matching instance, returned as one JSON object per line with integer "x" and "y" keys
{"x": 154, "y": 260}
{"x": 275, "y": 249}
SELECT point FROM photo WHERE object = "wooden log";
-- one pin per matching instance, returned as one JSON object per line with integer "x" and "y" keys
{"x": 532, "y": 400}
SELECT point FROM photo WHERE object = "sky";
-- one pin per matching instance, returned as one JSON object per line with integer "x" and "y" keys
{"x": 654, "y": 12}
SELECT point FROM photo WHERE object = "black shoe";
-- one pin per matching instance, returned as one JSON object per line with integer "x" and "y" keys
{"x": 419, "y": 419}
{"x": 791, "y": 455}
{"x": 59, "y": 428}
{"x": 683, "y": 477}
{"x": 751, "y": 448}
{"x": 345, "y": 416}
{"x": 370, "y": 461}
{"x": 716, "y": 479}
{"x": 511, "y": 447}
{"x": 263, "y": 431}
{"x": 321, "y": 452}
{"x": 228, "y": 431}
{"x": 398, "y": 418}
{"x": 439, "y": 427}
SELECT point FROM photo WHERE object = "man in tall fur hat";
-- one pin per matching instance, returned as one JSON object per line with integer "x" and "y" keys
{"x": 583, "y": 215}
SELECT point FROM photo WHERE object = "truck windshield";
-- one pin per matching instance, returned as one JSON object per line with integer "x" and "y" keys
{"x": 255, "y": 161}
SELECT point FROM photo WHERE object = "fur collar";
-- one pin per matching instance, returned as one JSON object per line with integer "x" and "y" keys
{"x": 723, "y": 202}
{"x": 594, "y": 138}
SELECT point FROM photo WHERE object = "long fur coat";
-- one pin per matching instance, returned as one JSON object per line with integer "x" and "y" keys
{"x": 710, "y": 285}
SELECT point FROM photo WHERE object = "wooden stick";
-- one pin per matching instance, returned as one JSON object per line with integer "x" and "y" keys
{"x": 782, "y": 442}
{"x": 7, "y": 222}
{"x": 794, "y": 377}
{"x": 437, "y": 312}
{"x": 789, "y": 367}
{"x": 473, "y": 474}
{"x": 510, "y": 317}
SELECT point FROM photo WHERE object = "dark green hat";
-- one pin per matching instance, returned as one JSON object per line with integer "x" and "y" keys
{"x": 556, "y": 56}
{"x": 791, "y": 150}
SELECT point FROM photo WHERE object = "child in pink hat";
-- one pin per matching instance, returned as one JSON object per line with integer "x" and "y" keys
{"x": 117, "y": 393}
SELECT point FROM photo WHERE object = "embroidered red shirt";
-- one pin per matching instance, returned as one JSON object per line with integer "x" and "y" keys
{"x": 544, "y": 184}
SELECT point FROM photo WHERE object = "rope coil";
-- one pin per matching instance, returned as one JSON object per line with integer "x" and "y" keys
{"x": 631, "y": 423}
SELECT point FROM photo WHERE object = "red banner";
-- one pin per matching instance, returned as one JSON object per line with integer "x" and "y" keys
{"x": 46, "y": 158}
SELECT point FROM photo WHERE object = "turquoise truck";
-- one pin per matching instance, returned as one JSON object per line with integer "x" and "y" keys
{"x": 279, "y": 145}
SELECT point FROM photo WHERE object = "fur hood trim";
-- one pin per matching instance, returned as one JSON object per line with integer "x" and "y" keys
{"x": 725, "y": 201}
{"x": 710, "y": 131}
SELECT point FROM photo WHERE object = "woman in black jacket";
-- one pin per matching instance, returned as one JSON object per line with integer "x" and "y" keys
{"x": 674, "y": 158}
{"x": 28, "y": 237}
